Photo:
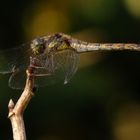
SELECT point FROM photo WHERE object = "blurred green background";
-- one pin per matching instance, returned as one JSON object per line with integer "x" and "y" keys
{"x": 102, "y": 101}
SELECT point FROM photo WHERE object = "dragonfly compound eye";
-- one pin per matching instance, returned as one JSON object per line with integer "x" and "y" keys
{"x": 38, "y": 46}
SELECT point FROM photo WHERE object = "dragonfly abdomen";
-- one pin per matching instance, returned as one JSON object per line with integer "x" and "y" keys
{"x": 81, "y": 46}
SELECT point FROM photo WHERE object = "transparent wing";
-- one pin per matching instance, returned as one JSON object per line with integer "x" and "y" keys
{"x": 17, "y": 79}
{"x": 58, "y": 68}
{"x": 15, "y": 61}
{"x": 14, "y": 58}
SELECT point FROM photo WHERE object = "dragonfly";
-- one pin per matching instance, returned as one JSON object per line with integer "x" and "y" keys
{"x": 53, "y": 58}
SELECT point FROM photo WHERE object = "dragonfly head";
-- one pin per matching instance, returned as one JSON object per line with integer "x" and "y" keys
{"x": 38, "y": 46}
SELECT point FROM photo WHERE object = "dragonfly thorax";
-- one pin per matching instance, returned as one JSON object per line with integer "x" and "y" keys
{"x": 38, "y": 46}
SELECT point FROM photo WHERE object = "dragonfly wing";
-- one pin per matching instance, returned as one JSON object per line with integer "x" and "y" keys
{"x": 60, "y": 67}
{"x": 15, "y": 62}
{"x": 17, "y": 79}
{"x": 14, "y": 58}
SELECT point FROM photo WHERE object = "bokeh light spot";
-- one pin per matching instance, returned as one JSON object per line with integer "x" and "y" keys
{"x": 133, "y": 7}
{"x": 44, "y": 19}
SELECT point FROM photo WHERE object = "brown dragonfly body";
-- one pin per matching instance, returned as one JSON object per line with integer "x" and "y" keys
{"x": 82, "y": 46}
{"x": 51, "y": 59}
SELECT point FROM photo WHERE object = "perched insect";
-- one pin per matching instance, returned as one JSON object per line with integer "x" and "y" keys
{"x": 52, "y": 58}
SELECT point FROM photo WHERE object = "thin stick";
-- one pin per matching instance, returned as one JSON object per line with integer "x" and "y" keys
{"x": 16, "y": 111}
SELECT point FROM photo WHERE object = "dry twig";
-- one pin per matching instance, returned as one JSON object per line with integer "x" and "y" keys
{"x": 16, "y": 110}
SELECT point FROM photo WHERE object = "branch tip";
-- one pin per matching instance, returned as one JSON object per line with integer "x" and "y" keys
{"x": 28, "y": 73}
{"x": 11, "y": 104}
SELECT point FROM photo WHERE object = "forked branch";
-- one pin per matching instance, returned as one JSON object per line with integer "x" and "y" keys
{"x": 16, "y": 110}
